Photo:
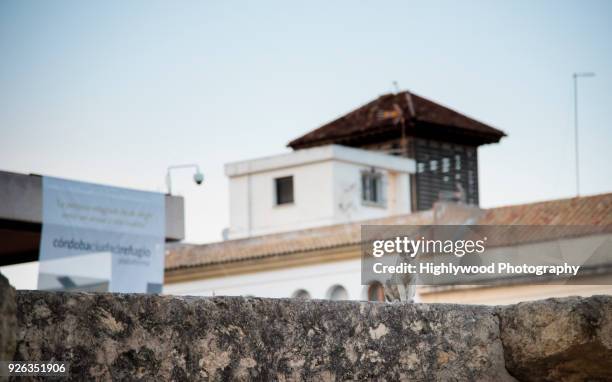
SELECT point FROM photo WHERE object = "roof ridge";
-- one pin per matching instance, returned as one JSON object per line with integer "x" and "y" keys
{"x": 566, "y": 212}
{"x": 361, "y": 122}
{"x": 550, "y": 201}
{"x": 415, "y": 214}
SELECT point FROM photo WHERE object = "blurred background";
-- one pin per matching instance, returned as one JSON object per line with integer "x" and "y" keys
{"x": 115, "y": 92}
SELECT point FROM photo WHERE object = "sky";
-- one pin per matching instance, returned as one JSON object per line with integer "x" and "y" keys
{"x": 114, "y": 92}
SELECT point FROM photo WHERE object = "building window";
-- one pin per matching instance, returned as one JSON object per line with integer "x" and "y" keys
{"x": 376, "y": 292}
{"x": 284, "y": 190}
{"x": 372, "y": 188}
{"x": 420, "y": 167}
{"x": 337, "y": 293}
{"x": 301, "y": 294}
{"x": 457, "y": 163}
{"x": 445, "y": 164}
{"x": 433, "y": 165}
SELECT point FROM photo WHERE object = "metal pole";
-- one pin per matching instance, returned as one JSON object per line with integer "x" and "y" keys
{"x": 576, "y": 134}
{"x": 576, "y": 75}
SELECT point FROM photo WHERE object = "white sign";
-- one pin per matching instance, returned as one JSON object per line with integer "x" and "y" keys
{"x": 101, "y": 238}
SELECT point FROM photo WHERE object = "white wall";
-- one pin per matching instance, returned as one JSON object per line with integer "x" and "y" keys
{"x": 22, "y": 276}
{"x": 327, "y": 189}
{"x": 317, "y": 280}
{"x": 347, "y": 193}
{"x": 312, "y": 206}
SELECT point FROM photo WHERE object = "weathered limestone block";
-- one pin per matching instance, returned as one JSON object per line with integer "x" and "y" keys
{"x": 106, "y": 336}
{"x": 8, "y": 320}
{"x": 567, "y": 339}
{"x": 127, "y": 337}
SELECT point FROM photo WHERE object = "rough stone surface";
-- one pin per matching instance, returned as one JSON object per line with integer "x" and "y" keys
{"x": 119, "y": 337}
{"x": 147, "y": 337}
{"x": 8, "y": 320}
{"x": 566, "y": 339}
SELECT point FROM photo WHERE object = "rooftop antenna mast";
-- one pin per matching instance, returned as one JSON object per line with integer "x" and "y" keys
{"x": 396, "y": 87}
{"x": 576, "y": 76}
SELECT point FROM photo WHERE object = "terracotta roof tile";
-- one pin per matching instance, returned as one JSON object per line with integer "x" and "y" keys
{"x": 382, "y": 115}
{"x": 584, "y": 211}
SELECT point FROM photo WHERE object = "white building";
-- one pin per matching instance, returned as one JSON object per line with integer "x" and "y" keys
{"x": 295, "y": 219}
{"x": 325, "y": 262}
{"x": 316, "y": 187}
{"x": 297, "y": 192}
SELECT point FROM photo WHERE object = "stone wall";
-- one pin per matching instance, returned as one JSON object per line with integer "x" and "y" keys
{"x": 8, "y": 319}
{"x": 147, "y": 337}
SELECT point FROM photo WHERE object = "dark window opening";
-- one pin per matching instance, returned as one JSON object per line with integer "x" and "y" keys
{"x": 376, "y": 292}
{"x": 371, "y": 187}
{"x": 284, "y": 190}
{"x": 301, "y": 294}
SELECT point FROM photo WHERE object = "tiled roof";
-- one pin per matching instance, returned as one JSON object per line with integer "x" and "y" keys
{"x": 583, "y": 211}
{"x": 383, "y": 116}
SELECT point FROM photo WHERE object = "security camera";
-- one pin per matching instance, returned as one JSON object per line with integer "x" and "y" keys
{"x": 198, "y": 177}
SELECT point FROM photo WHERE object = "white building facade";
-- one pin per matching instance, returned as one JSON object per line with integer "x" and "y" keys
{"x": 295, "y": 231}
{"x": 309, "y": 188}
{"x": 339, "y": 280}
{"x": 316, "y": 187}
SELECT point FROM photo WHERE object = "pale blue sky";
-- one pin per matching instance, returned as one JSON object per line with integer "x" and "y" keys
{"x": 115, "y": 91}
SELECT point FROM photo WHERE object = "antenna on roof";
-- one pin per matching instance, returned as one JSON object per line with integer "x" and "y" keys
{"x": 396, "y": 87}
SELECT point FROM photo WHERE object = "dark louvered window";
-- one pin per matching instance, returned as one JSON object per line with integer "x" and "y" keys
{"x": 284, "y": 190}
{"x": 443, "y": 170}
